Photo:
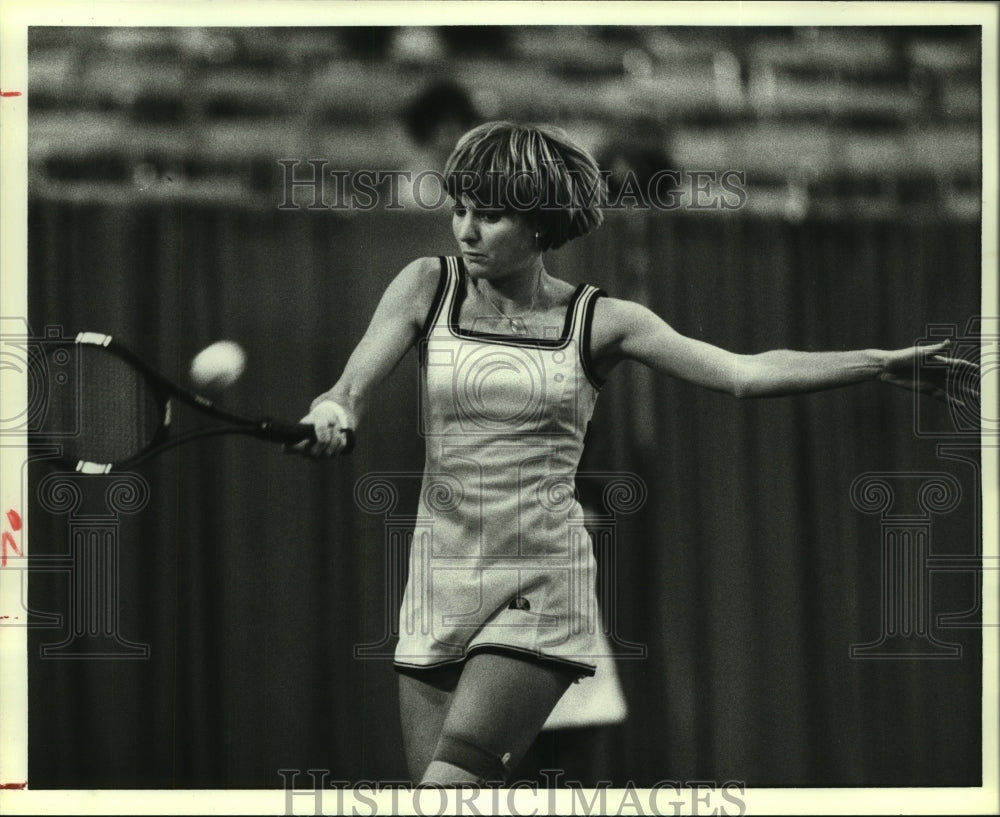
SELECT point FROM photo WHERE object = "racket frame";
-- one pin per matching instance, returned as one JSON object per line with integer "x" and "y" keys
{"x": 164, "y": 391}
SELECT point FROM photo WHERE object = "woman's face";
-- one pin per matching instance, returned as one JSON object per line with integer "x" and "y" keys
{"x": 494, "y": 243}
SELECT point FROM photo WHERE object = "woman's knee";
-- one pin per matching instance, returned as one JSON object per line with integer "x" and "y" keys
{"x": 465, "y": 759}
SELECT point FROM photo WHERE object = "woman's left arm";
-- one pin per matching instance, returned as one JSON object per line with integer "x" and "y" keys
{"x": 624, "y": 330}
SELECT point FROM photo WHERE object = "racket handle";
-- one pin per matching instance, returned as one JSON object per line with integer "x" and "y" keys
{"x": 282, "y": 432}
{"x": 291, "y": 433}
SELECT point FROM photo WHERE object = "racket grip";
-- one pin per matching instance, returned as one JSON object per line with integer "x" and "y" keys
{"x": 291, "y": 433}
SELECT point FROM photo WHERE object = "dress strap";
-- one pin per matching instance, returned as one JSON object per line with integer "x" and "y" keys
{"x": 583, "y": 319}
{"x": 445, "y": 295}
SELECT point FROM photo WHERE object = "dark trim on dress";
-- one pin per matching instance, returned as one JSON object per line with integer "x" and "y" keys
{"x": 432, "y": 313}
{"x": 585, "y": 347}
{"x": 584, "y": 670}
{"x": 510, "y": 340}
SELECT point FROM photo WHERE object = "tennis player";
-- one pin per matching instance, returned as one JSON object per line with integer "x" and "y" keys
{"x": 499, "y": 614}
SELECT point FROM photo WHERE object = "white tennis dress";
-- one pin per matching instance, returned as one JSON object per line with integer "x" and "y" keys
{"x": 500, "y": 557}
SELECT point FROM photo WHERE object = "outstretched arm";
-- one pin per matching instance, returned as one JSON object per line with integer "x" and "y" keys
{"x": 627, "y": 331}
{"x": 393, "y": 329}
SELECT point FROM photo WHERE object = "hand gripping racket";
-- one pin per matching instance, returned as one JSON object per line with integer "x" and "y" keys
{"x": 113, "y": 411}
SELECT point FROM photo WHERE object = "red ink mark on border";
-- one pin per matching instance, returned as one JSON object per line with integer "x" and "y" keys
{"x": 16, "y": 786}
{"x": 10, "y": 93}
{"x": 8, "y": 540}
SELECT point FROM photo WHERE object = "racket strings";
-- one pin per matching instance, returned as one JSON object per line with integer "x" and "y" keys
{"x": 117, "y": 410}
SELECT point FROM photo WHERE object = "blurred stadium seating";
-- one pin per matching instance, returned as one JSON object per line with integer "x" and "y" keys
{"x": 834, "y": 121}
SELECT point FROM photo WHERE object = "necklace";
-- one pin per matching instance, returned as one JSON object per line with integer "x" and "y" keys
{"x": 515, "y": 322}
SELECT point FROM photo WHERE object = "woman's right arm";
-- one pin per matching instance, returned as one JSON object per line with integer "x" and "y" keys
{"x": 393, "y": 329}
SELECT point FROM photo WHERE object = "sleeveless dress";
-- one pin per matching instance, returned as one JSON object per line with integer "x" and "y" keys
{"x": 500, "y": 558}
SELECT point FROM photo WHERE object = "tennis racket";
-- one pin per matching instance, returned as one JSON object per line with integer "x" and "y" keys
{"x": 109, "y": 411}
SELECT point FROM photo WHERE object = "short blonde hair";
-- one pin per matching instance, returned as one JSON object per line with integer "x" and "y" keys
{"x": 535, "y": 170}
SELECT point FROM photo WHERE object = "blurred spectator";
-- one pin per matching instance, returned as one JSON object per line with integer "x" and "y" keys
{"x": 633, "y": 157}
{"x": 437, "y": 116}
{"x": 434, "y": 120}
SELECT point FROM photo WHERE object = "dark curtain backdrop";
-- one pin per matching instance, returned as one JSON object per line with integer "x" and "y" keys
{"x": 748, "y": 573}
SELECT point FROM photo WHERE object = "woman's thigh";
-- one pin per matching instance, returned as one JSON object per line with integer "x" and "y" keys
{"x": 424, "y": 699}
{"x": 495, "y": 701}
{"x": 501, "y": 702}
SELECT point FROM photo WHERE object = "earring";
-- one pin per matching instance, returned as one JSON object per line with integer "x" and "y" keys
{"x": 537, "y": 247}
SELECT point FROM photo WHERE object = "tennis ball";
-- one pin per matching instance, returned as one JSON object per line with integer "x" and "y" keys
{"x": 218, "y": 366}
